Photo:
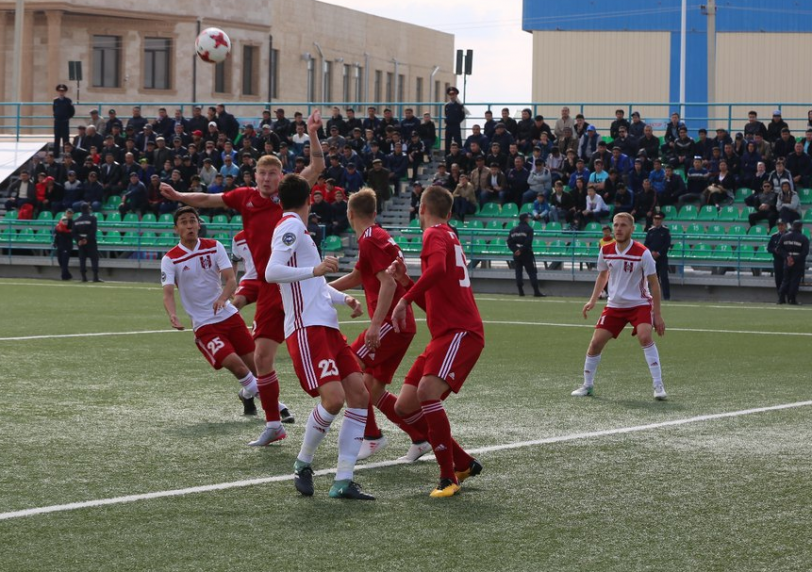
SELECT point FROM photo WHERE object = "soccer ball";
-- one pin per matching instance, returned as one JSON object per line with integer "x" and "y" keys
{"x": 213, "y": 45}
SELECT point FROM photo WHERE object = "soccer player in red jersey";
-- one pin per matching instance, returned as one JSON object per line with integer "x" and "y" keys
{"x": 379, "y": 348}
{"x": 196, "y": 266}
{"x": 457, "y": 339}
{"x": 634, "y": 298}
{"x": 261, "y": 212}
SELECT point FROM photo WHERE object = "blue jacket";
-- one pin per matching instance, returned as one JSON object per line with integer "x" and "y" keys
{"x": 397, "y": 164}
{"x": 657, "y": 179}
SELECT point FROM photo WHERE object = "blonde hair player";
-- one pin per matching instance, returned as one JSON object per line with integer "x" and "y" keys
{"x": 634, "y": 298}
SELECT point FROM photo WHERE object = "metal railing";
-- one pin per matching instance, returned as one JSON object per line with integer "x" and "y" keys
{"x": 21, "y": 119}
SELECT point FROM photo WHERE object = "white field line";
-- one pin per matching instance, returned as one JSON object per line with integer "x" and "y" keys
{"x": 322, "y": 472}
{"x": 492, "y": 322}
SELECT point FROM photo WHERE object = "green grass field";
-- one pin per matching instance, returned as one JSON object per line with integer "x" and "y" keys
{"x": 87, "y": 418}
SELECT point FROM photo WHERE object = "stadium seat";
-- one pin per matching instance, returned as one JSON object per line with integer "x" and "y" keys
{"x": 688, "y": 212}
{"x": 724, "y": 252}
{"x": 593, "y": 228}
{"x": 149, "y": 239}
{"x": 757, "y": 230}
{"x": 678, "y": 250}
{"x": 114, "y": 217}
{"x": 805, "y": 196}
{"x": 707, "y": 213}
{"x": 728, "y": 214}
{"x": 510, "y": 210}
{"x": 332, "y": 244}
{"x": 26, "y": 235}
{"x": 59, "y": 215}
{"x": 130, "y": 218}
{"x": 745, "y": 214}
{"x": 553, "y": 227}
{"x": 536, "y": 225}
{"x": 676, "y": 229}
{"x": 220, "y": 219}
{"x": 716, "y": 230}
{"x": 130, "y": 238}
{"x": 495, "y": 225}
{"x": 111, "y": 238}
{"x": 167, "y": 239}
{"x": 236, "y": 220}
{"x": 489, "y": 210}
{"x": 112, "y": 203}
{"x": 737, "y": 230}
{"x": 7, "y": 235}
{"x": 149, "y": 218}
{"x": 205, "y": 219}
{"x": 479, "y": 247}
{"x": 471, "y": 224}
{"x": 557, "y": 248}
{"x": 223, "y": 237}
{"x": 695, "y": 229}
{"x": 699, "y": 251}
{"x": 808, "y": 215}
{"x": 10, "y": 215}
{"x": 670, "y": 212}
{"x": 526, "y": 208}
{"x": 166, "y": 219}
{"x": 742, "y": 194}
{"x": 45, "y": 215}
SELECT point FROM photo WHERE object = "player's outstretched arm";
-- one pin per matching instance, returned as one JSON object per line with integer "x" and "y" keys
{"x": 600, "y": 284}
{"x": 316, "y": 167}
{"x": 169, "y": 306}
{"x": 197, "y": 200}
{"x": 348, "y": 281}
{"x": 654, "y": 288}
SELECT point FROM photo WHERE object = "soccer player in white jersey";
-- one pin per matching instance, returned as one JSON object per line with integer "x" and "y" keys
{"x": 196, "y": 266}
{"x": 248, "y": 289}
{"x": 324, "y": 363}
{"x": 634, "y": 298}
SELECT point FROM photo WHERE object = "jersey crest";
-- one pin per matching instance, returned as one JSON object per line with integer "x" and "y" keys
{"x": 205, "y": 262}
{"x": 288, "y": 238}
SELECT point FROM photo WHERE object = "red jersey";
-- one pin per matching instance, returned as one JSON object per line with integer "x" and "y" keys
{"x": 376, "y": 251}
{"x": 450, "y": 305}
{"x": 259, "y": 219}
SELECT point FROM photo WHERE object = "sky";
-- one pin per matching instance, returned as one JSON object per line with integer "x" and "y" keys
{"x": 493, "y": 30}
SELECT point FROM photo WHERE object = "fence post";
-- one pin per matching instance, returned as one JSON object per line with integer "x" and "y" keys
{"x": 17, "y": 130}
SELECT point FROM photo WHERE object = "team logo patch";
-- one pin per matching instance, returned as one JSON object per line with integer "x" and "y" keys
{"x": 288, "y": 238}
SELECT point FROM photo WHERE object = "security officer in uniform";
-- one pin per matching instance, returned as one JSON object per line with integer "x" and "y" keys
{"x": 658, "y": 241}
{"x": 793, "y": 247}
{"x": 84, "y": 232}
{"x": 778, "y": 262}
{"x": 454, "y": 116}
{"x": 520, "y": 242}
{"x": 63, "y": 112}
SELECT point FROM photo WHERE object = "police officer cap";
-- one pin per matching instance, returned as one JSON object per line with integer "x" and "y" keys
{"x": 61, "y": 87}
{"x": 797, "y": 224}
{"x": 452, "y": 89}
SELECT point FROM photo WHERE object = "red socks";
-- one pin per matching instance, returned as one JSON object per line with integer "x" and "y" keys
{"x": 440, "y": 437}
{"x": 371, "y": 429}
{"x": 386, "y": 404}
{"x": 268, "y": 388}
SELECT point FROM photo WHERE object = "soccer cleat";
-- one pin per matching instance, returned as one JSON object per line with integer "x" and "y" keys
{"x": 416, "y": 450}
{"x": 473, "y": 470}
{"x": 446, "y": 488}
{"x": 248, "y": 405}
{"x": 269, "y": 435}
{"x": 371, "y": 446}
{"x": 286, "y": 416}
{"x": 583, "y": 391}
{"x": 348, "y": 490}
{"x": 303, "y": 480}
{"x": 659, "y": 393}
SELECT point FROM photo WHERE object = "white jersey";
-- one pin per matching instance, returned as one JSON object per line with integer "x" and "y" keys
{"x": 628, "y": 274}
{"x": 240, "y": 251}
{"x": 196, "y": 273}
{"x": 307, "y": 299}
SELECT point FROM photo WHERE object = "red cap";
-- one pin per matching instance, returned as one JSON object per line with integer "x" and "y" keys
{"x": 197, "y": 132}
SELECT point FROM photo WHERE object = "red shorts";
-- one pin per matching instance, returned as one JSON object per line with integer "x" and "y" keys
{"x": 450, "y": 357}
{"x": 615, "y": 319}
{"x": 218, "y": 341}
{"x": 320, "y": 355}
{"x": 383, "y": 362}
{"x": 269, "y": 319}
{"x": 249, "y": 289}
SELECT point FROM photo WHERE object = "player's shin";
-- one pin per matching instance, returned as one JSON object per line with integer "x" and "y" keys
{"x": 386, "y": 405}
{"x": 318, "y": 424}
{"x": 268, "y": 389}
{"x": 350, "y": 438}
{"x": 653, "y": 361}
{"x": 590, "y": 368}
{"x": 440, "y": 437}
{"x": 372, "y": 431}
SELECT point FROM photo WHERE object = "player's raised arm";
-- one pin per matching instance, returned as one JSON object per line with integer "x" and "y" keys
{"x": 316, "y": 167}
{"x": 198, "y": 200}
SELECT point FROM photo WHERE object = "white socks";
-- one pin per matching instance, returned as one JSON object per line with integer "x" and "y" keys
{"x": 249, "y": 384}
{"x": 350, "y": 438}
{"x": 653, "y": 360}
{"x": 318, "y": 424}
{"x": 590, "y": 367}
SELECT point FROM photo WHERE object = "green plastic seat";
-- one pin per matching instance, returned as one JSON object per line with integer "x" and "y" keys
{"x": 149, "y": 239}
{"x": 498, "y": 248}
{"x": 676, "y": 229}
{"x": 716, "y": 230}
{"x": 593, "y": 227}
{"x": 471, "y": 224}
{"x": 479, "y": 246}
{"x": 670, "y": 212}
{"x": 742, "y": 194}
{"x": 707, "y": 213}
{"x": 553, "y": 227}
{"x": 166, "y": 218}
{"x": 695, "y": 228}
{"x": 59, "y": 215}
{"x": 130, "y": 238}
{"x": 167, "y": 239}
{"x": 757, "y": 230}
{"x": 223, "y": 237}
{"x": 536, "y": 225}
{"x": 10, "y": 215}
{"x": 149, "y": 218}
{"x": 678, "y": 250}
{"x": 112, "y": 203}
{"x": 206, "y": 219}
{"x": 111, "y": 238}
{"x": 510, "y": 210}
{"x": 526, "y": 208}
{"x": 808, "y": 215}
{"x": 130, "y": 218}
{"x": 700, "y": 251}
{"x": 557, "y": 248}
{"x": 744, "y": 215}
{"x": 45, "y": 215}
{"x": 414, "y": 223}
{"x": 728, "y": 214}
{"x": 331, "y": 244}
{"x": 113, "y": 218}
{"x": 489, "y": 210}
{"x": 737, "y": 230}
{"x": 688, "y": 213}
{"x": 236, "y": 220}
{"x": 495, "y": 225}
{"x": 220, "y": 219}
{"x": 806, "y": 196}
{"x": 26, "y": 235}
{"x": 724, "y": 252}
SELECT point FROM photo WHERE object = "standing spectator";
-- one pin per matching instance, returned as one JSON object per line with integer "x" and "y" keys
{"x": 63, "y": 242}
{"x": 227, "y": 123}
{"x": 84, "y": 232}
{"x": 198, "y": 122}
{"x": 638, "y": 127}
{"x": 489, "y": 127}
{"x": 63, "y": 111}
{"x": 428, "y": 133}
{"x": 454, "y": 116}
{"x": 408, "y": 124}
{"x": 520, "y": 242}
{"x": 564, "y": 121}
{"x": 378, "y": 181}
{"x": 137, "y": 121}
{"x": 793, "y": 247}
{"x": 754, "y": 126}
{"x": 339, "y": 219}
{"x": 775, "y": 127}
{"x": 465, "y": 200}
{"x": 620, "y": 121}
{"x": 778, "y": 261}
{"x": 352, "y": 121}
{"x": 658, "y": 241}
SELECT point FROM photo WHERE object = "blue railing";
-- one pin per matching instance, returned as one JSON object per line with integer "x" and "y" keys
{"x": 20, "y": 119}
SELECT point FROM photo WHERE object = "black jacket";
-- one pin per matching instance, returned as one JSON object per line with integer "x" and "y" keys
{"x": 84, "y": 227}
{"x": 521, "y": 239}
{"x": 63, "y": 109}
{"x": 658, "y": 240}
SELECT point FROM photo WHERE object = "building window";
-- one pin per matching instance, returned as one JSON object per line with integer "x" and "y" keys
{"x": 328, "y": 81}
{"x": 401, "y": 87}
{"x": 345, "y": 83}
{"x": 437, "y": 96}
{"x": 157, "y": 55}
{"x": 311, "y": 80}
{"x": 418, "y": 92}
{"x": 222, "y": 77}
{"x": 390, "y": 78}
{"x": 274, "y": 74}
{"x": 378, "y": 86}
{"x": 106, "y": 61}
{"x": 359, "y": 83}
{"x": 250, "y": 70}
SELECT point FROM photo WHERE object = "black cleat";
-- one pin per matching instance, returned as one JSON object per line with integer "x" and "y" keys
{"x": 473, "y": 470}
{"x": 248, "y": 405}
{"x": 350, "y": 491}
{"x": 303, "y": 480}
{"x": 286, "y": 416}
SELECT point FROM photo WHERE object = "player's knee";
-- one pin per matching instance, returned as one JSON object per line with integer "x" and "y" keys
{"x": 332, "y": 402}
{"x": 356, "y": 393}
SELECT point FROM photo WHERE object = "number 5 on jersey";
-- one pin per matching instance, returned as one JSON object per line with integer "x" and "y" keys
{"x": 465, "y": 282}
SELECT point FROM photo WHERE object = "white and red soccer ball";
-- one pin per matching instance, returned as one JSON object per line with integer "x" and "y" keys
{"x": 213, "y": 45}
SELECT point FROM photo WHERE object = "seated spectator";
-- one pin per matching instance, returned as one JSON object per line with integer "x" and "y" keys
{"x": 674, "y": 187}
{"x": 217, "y": 186}
{"x": 698, "y": 178}
{"x": 601, "y": 154}
{"x": 378, "y": 181}
{"x": 21, "y": 191}
{"x": 496, "y": 185}
{"x": 330, "y": 190}
{"x": 517, "y": 187}
{"x": 539, "y": 180}
{"x": 635, "y": 178}
{"x": 414, "y": 202}
{"x": 638, "y": 127}
{"x": 541, "y": 209}
{"x": 441, "y": 177}
{"x": 765, "y": 203}
{"x": 428, "y": 134}
{"x": 761, "y": 175}
{"x": 323, "y": 210}
{"x": 562, "y": 205}
{"x": 134, "y": 198}
{"x": 415, "y": 152}
{"x": 74, "y": 192}
{"x": 315, "y": 230}
{"x": 683, "y": 150}
{"x": 155, "y": 200}
{"x": 624, "y": 200}
{"x": 781, "y": 174}
{"x": 354, "y": 181}
{"x": 784, "y": 145}
{"x": 649, "y": 143}
{"x": 610, "y": 187}
{"x": 340, "y": 223}
{"x": 626, "y": 143}
{"x": 657, "y": 177}
{"x": 229, "y": 168}
{"x": 754, "y": 126}
{"x": 645, "y": 203}
{"x": 722, "y": 188}
{"x": 581, "y": 172}
{"x": 555, "y": 164}
{"x": 595, "y": 208}
{"x": 788, "y": 204}
{"x": 54, "y": 195}
{"x": 465, "y": 201}
{"x": 398, "y": 164}
{"x": 800, "y": 165}
{"x": 598, "y": 178}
